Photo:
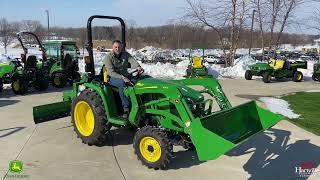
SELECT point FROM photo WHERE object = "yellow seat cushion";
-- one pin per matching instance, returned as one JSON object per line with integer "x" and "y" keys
{"x": 277, "y": 64}
{"x": 197, "y": 62}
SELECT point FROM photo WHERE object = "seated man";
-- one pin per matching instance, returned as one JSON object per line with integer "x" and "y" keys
{"x": 117, "y": 64}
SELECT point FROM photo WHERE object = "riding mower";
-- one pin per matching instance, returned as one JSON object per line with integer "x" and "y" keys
{"x": 316, "y": 72}
{"x": 6, "y": 71}
{"x": 34, "y": 71}
{"x": 63, "y": 57}
{"x": 164, "y": 113}
{"x": 278, "y": 69}
{"x": 196, "y": 68}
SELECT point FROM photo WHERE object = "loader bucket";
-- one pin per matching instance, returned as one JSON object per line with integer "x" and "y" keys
{"x": 50, "y": 112}
{"x": 217, "y": 133}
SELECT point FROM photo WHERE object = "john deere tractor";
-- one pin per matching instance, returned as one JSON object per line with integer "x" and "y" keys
{"x": 7, "y": 69}
{"x": 278, "y": 69}
{"x": 33, "y": 73}
{"x": 316, "y": 71}
{"x": 63, "y": 62}
{"x": 196, "y": 67}
{"x": 165, "y": 113}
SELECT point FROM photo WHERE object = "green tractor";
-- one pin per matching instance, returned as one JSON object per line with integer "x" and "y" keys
{"x": 63, "y": 62}
{"x": 196, "y": 68}
{"x": 164, "y": 112}
{"x": 316, "y": 72}
{"x": 33, "y": 73}
{"x": 7, "y": 69}
{"x": 278, "y": 69}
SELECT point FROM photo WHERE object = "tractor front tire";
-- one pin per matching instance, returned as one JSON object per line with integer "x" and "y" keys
{"x": 19, "y": 85}
{"x": 315, "y": 77}
{"x": 89, "y": 119}
{"x": 152, "y": 147}
{"x": 41, "y": 84}
{"x": 248, "y": 75}
{"x": 266, "y": 77}
{"x": 297, "y": 76}
{"x": 59, "y": 80}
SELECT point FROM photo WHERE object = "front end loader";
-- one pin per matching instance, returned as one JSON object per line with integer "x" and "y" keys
{"x": 165, "y": 113}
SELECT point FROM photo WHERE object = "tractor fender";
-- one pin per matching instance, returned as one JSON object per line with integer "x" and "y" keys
{"x": 55, "y": 68}
{"x": 102, "y": 94}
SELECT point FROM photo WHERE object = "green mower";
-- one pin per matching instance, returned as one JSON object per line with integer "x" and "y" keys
{"x": 33, "y": 73}
{"x": 316, "y": 72}
{"x": 63, "y": 57}
{"x": 7, "y": 69}
{"x": 196, "y": 69}
{"x": 165, "y": 113}
{"x": 278, "y": 69}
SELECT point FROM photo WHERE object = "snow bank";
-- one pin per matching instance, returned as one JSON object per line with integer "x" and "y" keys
{"x": 279, "y": 106}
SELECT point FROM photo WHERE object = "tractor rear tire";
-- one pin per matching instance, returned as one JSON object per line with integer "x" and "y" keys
{"x": 152, "y": 147}
{"x": 59, "y": 80}
{"x": 19, "y": 85}
{"x": 41, "y": 84}
{"x": 248, "y": 75}
{"x": 1, "y": 85}
{"x": 297, "y": 76}
{"x": 266, "y": 77}
{"x": 89, "y": 119}
{"x": 315, "y": 77}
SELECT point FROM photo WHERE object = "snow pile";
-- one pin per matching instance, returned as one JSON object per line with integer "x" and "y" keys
{"x": 279, "y": 106}
{"x": 312, "y": 91}
{"x": 238, "y": 70}
{"x": 166, "y": 70}
{"x": 309, "y": 71}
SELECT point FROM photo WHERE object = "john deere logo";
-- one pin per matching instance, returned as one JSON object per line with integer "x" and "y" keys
{"x": 16, "y": 166}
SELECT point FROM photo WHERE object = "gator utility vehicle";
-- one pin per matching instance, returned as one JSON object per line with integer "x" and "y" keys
{"x": 165, "y": 113}
{"x": 316, "y": 71}
{"x": 196, "y": 67}
{"x": 278, "y": 69}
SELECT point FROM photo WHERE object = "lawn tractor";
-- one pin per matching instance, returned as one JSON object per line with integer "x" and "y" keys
{"x": 7, "y": 69}
{"x": 278, "y": 69}
{"x": 316, "y": 71}
{"x": 196, "y": 68}
{"x": 163, "y": 112}
{"x": 34, "y": 71}
{"x": 63, "y": 57}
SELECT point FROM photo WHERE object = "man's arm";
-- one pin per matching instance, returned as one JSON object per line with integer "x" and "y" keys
{"x": 110, "y": 68}
{"x": 134, "y": 63}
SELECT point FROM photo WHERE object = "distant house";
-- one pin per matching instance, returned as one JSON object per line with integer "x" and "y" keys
{"x": 312, "y": 48}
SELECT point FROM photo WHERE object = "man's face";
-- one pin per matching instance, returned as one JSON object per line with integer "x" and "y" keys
{"x": 116, "y": 48}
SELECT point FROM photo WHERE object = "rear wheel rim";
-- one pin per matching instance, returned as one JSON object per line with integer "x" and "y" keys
{"x": 56, "y": 80}
{"x": 299, "y": 76}
{"x": 16, "y": 85}
{"x": 150, "y": 149}
{"x": 84, "y": 118}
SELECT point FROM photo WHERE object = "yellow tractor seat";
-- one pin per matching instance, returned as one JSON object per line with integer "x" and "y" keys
{"x": 277, "y": 64}
{"x": 197, "y": 62}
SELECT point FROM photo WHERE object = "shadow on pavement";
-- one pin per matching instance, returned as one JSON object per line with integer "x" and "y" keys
{"x": 7, "y": 102}
{"x": 9, "y": 131}
{"x": 274, "y": 158}
{"x": 7, "y": 93}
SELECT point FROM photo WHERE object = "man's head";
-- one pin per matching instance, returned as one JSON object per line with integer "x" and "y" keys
{"x": 117, "y": 47}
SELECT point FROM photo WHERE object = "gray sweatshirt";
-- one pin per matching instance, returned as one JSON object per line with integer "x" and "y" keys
{"x": 117, "y": 67}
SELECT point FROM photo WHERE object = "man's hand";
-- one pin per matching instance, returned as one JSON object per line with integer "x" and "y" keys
{"x": 127, "y": 81}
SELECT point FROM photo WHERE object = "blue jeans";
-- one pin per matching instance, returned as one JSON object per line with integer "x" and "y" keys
{"x": 120, "y": 84}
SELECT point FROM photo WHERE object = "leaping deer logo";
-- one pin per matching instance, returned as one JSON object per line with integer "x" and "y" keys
{"x": 16, "y": 166}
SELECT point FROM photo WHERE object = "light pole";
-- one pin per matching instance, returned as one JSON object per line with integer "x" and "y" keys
{"x": 251, "y": 30}
{"x": 48, "y": 24}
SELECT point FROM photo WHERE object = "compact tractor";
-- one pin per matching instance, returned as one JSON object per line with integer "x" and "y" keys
{"x": 196, "y": 67}
{"x": 33, "y": 72}
{"x": 164, "y": 113}
{"x": 63, "y": 57}
{"x": 316, "y": 71}
{"x": 278, "y": 69}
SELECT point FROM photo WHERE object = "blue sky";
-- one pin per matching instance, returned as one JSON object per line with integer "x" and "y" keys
{"x": 74, "y": 13}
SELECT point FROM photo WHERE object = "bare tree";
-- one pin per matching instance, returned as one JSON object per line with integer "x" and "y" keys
{"x": 220, "y": 16}
{"x": 6, "y": 33}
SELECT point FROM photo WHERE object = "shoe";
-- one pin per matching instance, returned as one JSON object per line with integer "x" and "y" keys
{"x": 125, "y": 115}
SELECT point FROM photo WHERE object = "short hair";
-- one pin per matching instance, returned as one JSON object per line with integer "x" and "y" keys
{"x": 116, "y": 41}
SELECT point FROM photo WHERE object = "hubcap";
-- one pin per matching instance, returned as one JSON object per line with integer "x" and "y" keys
{"x": 150, "y": 149}
{"x": 84, "y": 118}
{"x": 16, "y": 85}
{"x": 299, "y": 77}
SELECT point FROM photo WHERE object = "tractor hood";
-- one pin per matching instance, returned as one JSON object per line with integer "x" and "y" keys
{"x": 259, "y": 66}
{"x": 153, "y": 83}
{"x": 6, "y": 68}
